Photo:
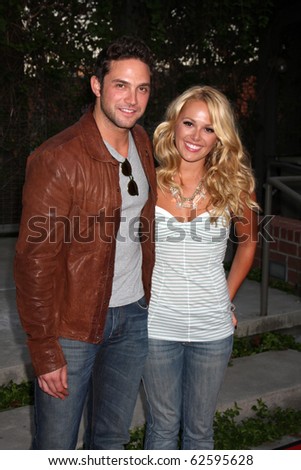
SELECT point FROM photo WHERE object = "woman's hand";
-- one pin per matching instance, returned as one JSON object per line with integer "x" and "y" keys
{"x": 234, "y": 320}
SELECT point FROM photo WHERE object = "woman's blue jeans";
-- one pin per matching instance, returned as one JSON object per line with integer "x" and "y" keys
{"x": 110, "y": 373}
{"x": 182, "y": 382}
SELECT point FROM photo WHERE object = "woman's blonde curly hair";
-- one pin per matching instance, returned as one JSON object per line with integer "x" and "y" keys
{"x": 229, "y": 179}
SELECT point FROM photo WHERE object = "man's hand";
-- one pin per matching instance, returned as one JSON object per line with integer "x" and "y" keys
{"x": 55, "y": 383}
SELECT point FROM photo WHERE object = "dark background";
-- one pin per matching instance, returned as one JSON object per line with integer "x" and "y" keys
{"x": 250, "y": 49}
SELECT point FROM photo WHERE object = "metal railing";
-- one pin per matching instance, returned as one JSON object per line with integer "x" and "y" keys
{"x": 280, "y": 183}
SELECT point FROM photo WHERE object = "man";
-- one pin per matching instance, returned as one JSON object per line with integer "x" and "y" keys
{"x": 84, "y": 258}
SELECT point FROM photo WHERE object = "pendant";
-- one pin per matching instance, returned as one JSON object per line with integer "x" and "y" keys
{"x": 188, "y": 202}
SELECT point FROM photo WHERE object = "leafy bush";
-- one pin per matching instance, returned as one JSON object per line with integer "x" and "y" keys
{"x": 267, "y": 425}
{"x": 15, "y": 395}
{"x": 230, "y": 433}
{"x": 271, "y": 341}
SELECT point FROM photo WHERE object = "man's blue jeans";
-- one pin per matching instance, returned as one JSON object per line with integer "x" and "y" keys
{"x": 114, "y": 369}
{"x": 182, "y": 382}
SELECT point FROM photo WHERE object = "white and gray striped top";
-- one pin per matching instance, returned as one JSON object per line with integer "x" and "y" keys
{"x": 190, "y": 300}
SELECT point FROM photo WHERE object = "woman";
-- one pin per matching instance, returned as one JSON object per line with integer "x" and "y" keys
{"x": 204, "y": 182}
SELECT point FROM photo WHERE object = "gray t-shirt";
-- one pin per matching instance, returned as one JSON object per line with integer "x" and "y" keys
{"x": 127, "y": 281}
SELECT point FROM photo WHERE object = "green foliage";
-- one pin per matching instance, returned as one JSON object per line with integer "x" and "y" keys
{"x": 137, "y": 439}
{"x": 266, "y": 425}
{"x": 270, "y": 341}
{"x": 15, "y": 395}
{"x": 231, "y": 433}
{"x": 48, "y": 49}
{"x": 255, "y": 275}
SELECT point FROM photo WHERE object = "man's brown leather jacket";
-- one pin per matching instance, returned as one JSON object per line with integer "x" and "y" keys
{"x": 66, "y": 247}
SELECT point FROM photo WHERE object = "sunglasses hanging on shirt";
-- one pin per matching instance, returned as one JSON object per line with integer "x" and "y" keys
{"x": 126, "y": 169}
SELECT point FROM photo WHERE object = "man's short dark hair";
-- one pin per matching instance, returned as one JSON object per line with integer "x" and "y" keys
{"x": 125, "y": 47}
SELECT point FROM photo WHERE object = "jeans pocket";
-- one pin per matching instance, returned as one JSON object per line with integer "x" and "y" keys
{"x": 142, "y": 303}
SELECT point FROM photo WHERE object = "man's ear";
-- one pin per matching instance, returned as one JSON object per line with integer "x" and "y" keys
{"x": 95, "y": 85}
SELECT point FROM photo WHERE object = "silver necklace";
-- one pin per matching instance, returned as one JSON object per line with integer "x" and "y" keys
{"x": 188, "y": 202}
